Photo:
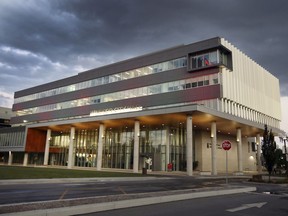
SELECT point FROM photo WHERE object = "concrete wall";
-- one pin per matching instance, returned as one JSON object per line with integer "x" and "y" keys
{"x": 203, "y": 153}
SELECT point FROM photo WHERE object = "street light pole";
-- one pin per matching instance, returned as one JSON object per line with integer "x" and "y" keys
{"x": 285, "y": 151}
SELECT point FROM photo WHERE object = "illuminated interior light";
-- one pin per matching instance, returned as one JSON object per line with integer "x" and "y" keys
{"x": 115, "y": 111}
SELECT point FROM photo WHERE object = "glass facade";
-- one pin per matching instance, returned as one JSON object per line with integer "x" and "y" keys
{"x": 163, "y": 144}
{"x": 10, "y": 138}
{"x": 59, "y": 147}
{"x": 143, "y": 71}
{"x": 131, "y": 93}
{"x": 216, "y": 57}
{"x": 204, "y": 60}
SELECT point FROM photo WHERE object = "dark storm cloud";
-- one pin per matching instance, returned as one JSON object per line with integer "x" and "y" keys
{"x": 53, "y": 39}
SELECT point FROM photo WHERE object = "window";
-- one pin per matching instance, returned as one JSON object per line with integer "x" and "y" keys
{"x": 204, "y": 60}
{"x": 220, "y": 56}
{"x": 200, "y": 83}
{"x": 137, "y": 92}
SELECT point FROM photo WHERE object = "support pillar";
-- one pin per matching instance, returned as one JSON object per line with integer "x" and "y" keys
{"x": 10, "y": 158}
{"x": 25, "y": 161}
{"x": 189, "y": 146}
{"x": 136, "y": 146}
{"x": 259, "y": 164}
{"x": 71, "y": 148}
{"x": 213, "y": 148}
{"x": 100, "y": 147}
{"x": 47, "y": 146}
{"x": 239, "y": 150}
{"x": 167, "y": 147}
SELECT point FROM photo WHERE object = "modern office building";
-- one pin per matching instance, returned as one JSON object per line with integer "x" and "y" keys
{"x": 175, "y": 106}
{"x": 5, "y": 116}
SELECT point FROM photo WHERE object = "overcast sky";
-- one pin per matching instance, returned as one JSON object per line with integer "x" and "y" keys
{"x": 46, "y": 40}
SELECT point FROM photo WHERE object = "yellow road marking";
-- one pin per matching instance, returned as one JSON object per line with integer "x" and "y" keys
{"x": 122, "y": 190}
{"x": 63, "y": 194}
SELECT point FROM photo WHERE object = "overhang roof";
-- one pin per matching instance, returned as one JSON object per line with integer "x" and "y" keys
{"x": 172, "y": 116}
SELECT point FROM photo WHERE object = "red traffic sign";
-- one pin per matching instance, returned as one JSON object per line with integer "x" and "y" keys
{"x": 226, "y": 145}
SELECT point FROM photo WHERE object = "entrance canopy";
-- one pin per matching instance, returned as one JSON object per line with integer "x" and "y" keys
{"x": 170, "y": 116}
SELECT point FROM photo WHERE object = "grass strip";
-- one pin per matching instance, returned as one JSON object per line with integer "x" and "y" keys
{"x": 18, "y": 172}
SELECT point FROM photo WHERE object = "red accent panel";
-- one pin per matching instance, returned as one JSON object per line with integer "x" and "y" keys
{"x": 202, "y": 93}
{"x": 35, "y": 141}
{"x": 54, "y": 150}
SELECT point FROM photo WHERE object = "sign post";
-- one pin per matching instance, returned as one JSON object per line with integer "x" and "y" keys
{"x": 226, "y": 145}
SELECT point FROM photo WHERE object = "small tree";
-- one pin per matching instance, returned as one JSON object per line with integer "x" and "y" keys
{"x": 280, "y": 160}
{"x": 268, "y": 150}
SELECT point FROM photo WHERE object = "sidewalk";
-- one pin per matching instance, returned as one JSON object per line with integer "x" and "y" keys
{"x": 112, "y": 202}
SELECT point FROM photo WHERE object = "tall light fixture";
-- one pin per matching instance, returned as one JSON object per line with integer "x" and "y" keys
{"x": 285, "y": 152}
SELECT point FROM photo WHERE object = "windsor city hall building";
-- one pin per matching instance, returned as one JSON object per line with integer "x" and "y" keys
{"x": 174, "y": 106}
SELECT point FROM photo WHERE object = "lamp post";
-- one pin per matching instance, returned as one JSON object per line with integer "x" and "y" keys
{"x": 285, "y": 158}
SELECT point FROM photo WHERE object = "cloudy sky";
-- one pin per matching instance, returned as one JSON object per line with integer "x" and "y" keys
{"x": 45, "y": 40}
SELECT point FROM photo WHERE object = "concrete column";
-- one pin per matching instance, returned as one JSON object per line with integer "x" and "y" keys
{"x": 47, "y": 146}
{"x": 259, "y": 165}
{"x": 136, "y": 146}
{"x": 71, "y": 148}
{"x": 10, "y": 158}
{"x": 100, "y": 147}
{"x": 167, "y": 147}
{"x": 128, "y": 153}
{"x": 25, "y": 161}
{"x": 239, "y": 150}
{"x": 229, "y": 106}
{"x": 213, "y": 148}
{"x": 189, "y": 147}
{"x": 178, "y": 137}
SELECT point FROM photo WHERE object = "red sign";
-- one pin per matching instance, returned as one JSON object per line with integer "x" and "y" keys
{"x": 226, "y": 145}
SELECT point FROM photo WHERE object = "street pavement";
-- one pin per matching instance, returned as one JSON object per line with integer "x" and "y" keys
{"x": 102, "y": 194}
{"x": 248, "y": 204}
{"x": 84, "y": 205}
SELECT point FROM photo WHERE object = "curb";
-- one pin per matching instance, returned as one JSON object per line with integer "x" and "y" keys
{"x": 99, "y": 207}
{"x": 76, "y": 180}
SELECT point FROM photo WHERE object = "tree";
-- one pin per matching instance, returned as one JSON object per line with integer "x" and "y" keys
{"x": 280, "y": 160}
{"x": 268, "y": 150}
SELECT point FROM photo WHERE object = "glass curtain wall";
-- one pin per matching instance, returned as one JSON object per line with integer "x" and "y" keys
{"x": 85, "y": 148}
{"x": 154, "y": 142}
{"x": 59, "y": 148}
{"x": 177, "y": 145}
{"x": 118, "y": 146}
{"x": 152, "y": 145}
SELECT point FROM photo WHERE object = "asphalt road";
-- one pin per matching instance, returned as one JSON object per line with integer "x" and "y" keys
{"x": 19, "y": 193}
{"x": 248, "y": 204}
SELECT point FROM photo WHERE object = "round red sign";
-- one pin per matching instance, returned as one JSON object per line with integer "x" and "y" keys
{"x": 226, "y": 145}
